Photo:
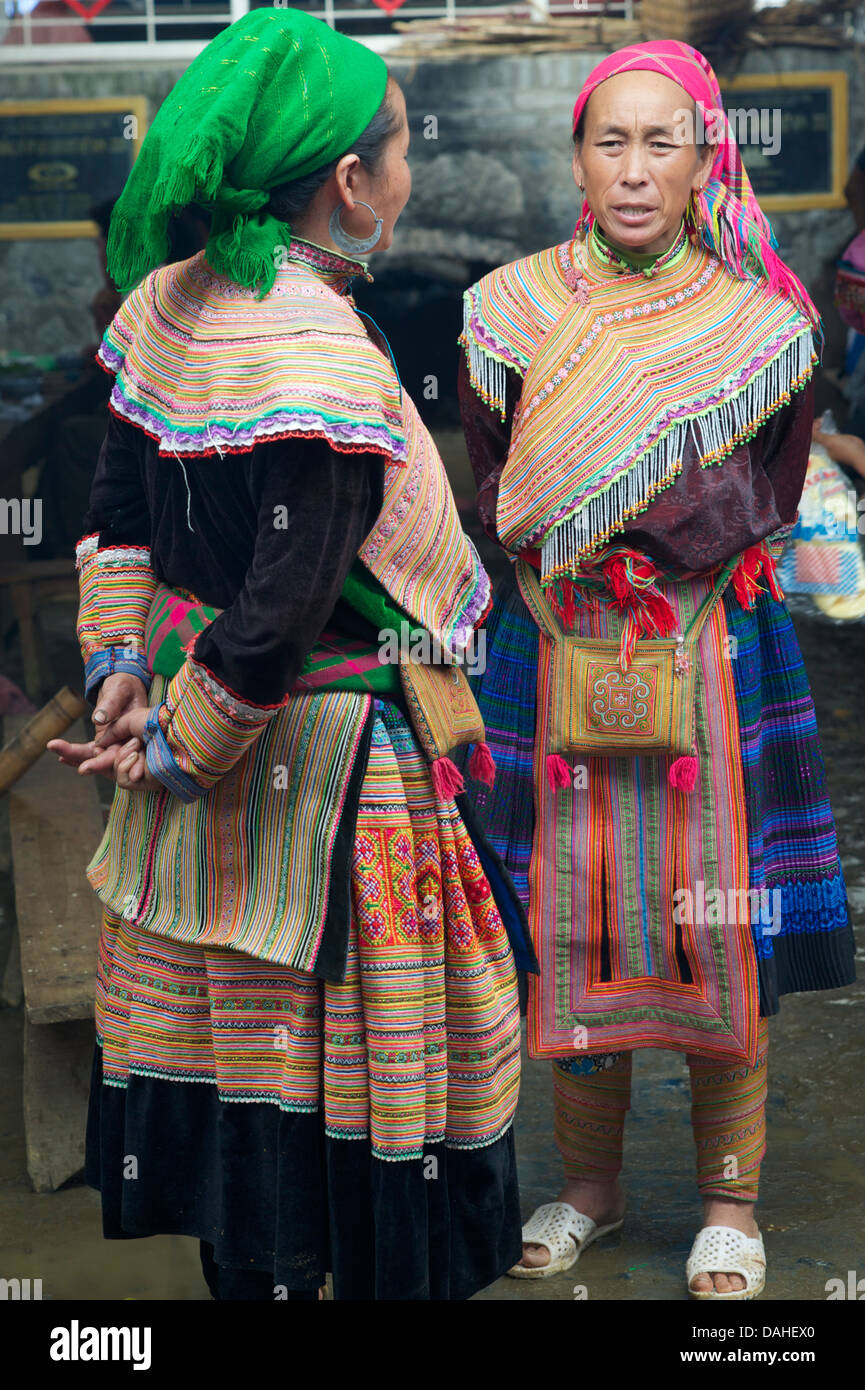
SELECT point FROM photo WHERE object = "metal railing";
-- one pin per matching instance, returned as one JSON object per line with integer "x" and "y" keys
{"x": 81, "y": 31}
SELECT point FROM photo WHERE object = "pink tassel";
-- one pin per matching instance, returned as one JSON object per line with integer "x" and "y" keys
{"x": 558, "y": 772}
{"x": 482, "y": 765}
{"x": 447, "y": 779}
{"x": 683, "y": 774}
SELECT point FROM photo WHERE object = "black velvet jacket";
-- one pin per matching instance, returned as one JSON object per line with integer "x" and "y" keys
{"x": 268, "y": 535}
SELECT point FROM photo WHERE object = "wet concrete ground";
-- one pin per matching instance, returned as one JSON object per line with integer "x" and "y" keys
{"x": 812, "y": 1208}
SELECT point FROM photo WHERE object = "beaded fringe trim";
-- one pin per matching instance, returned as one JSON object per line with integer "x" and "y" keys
{"x": 488, "y": 373}
{"x": 721, "y": 427}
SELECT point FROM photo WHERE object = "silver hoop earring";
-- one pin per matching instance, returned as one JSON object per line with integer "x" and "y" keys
{"x": 353, "y": 245}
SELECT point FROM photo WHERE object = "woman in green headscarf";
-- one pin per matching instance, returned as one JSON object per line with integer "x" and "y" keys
{"x": 298, "y": 918}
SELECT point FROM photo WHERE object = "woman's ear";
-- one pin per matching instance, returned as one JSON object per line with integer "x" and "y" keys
{"x": 577, "y": 168}
{"x": 346, "y": 174}
{"x": 704, "y": 167}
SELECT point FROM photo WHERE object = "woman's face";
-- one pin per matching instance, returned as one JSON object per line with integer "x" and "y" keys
{"x": 636, "y": 167}
{"x": 388, "y": 189}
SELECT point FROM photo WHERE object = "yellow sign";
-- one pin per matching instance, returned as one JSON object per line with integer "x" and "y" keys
{"x": 59, "y": 158}
{"x": 791, "y": 128}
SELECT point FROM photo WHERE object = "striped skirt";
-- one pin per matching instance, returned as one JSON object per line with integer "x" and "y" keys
{"x": 300, "y": 1126}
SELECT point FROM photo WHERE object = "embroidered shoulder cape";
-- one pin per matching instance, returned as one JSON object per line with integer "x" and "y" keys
{"x": 206, "y": 368}
{"x": 618, "y": 369}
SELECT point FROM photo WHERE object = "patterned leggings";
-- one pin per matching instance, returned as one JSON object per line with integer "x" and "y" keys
{"x": 728, "y": 1113}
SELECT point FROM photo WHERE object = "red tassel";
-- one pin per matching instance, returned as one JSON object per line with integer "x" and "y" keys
{"x": 627, "y": 641}
{"x": 616, "y": 574}
{"x": 482, "y": 765}
{"x": 560, "y": 596}
{"x": 447, "y": 779}
{"x": 745, "y": 577}
{"x": 569, "y": 605}
{"x": 683, "y": 774}
{"x": 658, "y": 611}
{"x": 558, "y": 772}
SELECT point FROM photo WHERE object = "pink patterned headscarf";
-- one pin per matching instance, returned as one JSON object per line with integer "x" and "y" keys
{"x": 730, "y": 221}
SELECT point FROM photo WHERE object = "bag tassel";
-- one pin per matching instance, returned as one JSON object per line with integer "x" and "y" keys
{"x": 745, "y": 578}
{"x": 562, "y": 599}
{"x": 756, "y": 563}
{"x": 683, "y": 774}
{"x": 558, "y": 772}
{"x": 646, "y": 611}
{"x": 447, "y": 779}
{"x": 482, "y": 765}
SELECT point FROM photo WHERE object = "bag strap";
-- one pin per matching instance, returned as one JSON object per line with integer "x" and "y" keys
{"x": 692, "y": 632}
{"x": 537, "y": 601}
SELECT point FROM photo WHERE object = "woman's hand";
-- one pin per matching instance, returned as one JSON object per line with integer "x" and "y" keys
{"x": 119, "y": 695}
{"x": 843, "y": 448}
{"x": 123, "y": 760}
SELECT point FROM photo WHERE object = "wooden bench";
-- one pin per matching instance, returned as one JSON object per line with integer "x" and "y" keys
{"x": 55, "y": 824}
{"x": 28, "y": 586}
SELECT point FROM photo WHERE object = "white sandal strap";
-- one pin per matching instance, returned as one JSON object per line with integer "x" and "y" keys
{"x": 559, "y": 1227}
{"x": 724, "y": 1250}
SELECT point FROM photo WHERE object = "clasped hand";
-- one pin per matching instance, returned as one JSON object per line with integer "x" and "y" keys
{"x": 117, "y": 748}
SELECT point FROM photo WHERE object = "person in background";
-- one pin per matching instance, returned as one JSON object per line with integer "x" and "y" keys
{"x": 846, "y": 449}
{"x": 854, "y": 191}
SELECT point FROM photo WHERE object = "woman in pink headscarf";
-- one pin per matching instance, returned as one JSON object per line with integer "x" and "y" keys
{"x": 637, "y": 405}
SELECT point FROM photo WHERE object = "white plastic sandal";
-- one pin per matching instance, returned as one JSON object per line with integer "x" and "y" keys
{"x": 565, "y": 1232}
{"x": 724, "y": 1250}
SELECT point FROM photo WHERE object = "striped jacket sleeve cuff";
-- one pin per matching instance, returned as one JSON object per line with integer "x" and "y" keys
{"x": 206, "y": 726}
{"x": 116, "y": 587}
{"x": 108, "y": 663}
{"x": 162, "y": 763}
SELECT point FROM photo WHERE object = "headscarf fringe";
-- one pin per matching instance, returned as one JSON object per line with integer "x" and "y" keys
{"x": 725, "y": 229}
{"x": 200, "y": 171}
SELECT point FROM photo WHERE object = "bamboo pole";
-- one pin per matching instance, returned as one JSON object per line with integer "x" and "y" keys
{"x": 29, "y": 743}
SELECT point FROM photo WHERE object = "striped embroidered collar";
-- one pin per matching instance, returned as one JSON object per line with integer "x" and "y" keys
{"x": 206, "y": 368}
{"x": 619, "y": 372}
{"x": 336, "y": 270}
{"x": 602, "y": 257}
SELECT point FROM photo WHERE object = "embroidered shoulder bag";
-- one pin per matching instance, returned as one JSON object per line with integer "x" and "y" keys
{"x": 646, "y": 710}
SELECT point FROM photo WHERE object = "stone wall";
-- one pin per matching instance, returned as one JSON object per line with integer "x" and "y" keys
{"x": 490, "y": 156}
{"x": 46, "y": 286}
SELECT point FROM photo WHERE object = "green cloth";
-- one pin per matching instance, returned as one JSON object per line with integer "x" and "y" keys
{"x": 351, "y": 663}
{"x": 363, "y": 592}
{"x": 272, "y": 98}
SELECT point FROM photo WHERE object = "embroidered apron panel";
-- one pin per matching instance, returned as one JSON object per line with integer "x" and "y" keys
{"x": 619, "y": 857}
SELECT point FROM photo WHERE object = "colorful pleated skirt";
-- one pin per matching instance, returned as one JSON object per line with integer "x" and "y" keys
{"x": 299, "y": 1127}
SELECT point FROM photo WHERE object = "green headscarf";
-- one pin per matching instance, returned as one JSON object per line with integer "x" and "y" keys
{"x": 272, "y": 98}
